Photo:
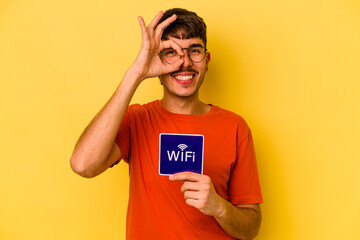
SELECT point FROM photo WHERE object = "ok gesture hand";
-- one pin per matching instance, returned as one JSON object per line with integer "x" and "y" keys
{"x": 148, "y": 62}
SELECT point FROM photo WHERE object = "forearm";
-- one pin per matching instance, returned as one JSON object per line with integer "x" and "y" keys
{"x": 96, "y": 142}
{"x": 239, "y": 222}
{"x": 96, "y": 145}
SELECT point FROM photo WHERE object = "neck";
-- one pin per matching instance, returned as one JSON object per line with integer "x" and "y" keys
{"x": 189, "y": 105}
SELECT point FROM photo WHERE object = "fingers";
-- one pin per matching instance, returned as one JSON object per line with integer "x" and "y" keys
{"x": 160, "y": 28}
{"x": 173, "y": 45}
{"x": 190, "y": 186}
{"x": 199, "y": 192}
{"x": 191, "y": 195}
{"x": 192, "y": 202}
{"x": 142, "y": 24}
{"x": 152, "y": 45}
{"x": 162, "y": 25}
{"x": 152, "y": 26}
{"x": 149, "y": 32}
{"x": 175, "y": 65}
{"x": 192, "y": 182}
{"x": 144, "y": 33}
{"x": 185, "y": 176}
{"x": 168, "y": 68}
{"x": 156, "y": 20}
{"x": 166, "y": 22}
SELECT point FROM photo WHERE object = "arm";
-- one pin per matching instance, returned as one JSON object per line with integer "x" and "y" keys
{"x": 240, "y": 221}
{"x": 96, "y": 149}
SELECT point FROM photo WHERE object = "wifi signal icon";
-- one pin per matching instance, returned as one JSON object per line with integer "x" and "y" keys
{"x": 182, "y": 146}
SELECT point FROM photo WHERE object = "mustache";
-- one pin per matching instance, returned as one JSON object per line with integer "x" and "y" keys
{"x": 186, "y": 70}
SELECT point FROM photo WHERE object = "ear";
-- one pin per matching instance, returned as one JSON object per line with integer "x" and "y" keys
{"x": 207, "y": 58}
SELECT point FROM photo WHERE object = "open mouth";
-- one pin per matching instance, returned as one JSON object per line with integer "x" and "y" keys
{"x": 184, "y": 78}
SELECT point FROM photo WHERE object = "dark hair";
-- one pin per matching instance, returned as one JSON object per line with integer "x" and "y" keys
{"x": 187, "y": 25}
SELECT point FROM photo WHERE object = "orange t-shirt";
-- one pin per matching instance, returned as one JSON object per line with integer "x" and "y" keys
{"x": 157, "y": 208}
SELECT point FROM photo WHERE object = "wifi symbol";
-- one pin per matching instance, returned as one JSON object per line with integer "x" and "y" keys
{"x": 182, "y": 146}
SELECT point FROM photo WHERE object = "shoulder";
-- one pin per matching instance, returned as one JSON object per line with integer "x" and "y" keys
{"x": 231, "y": 122}
{"x": 228, "y": 116}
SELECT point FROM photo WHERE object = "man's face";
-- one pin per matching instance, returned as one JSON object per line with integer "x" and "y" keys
{"x": 187, "y": 81}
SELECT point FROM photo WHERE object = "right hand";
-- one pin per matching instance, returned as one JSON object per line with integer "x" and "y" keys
{"x": 148, "y": 63}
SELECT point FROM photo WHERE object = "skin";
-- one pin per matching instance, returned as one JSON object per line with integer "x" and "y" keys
{"x": 240, "y": 221}
{"x": 183, "y": 96}
{"x": 96, "y": 149}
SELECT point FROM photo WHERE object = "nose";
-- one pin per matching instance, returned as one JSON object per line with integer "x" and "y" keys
{"x": 186, "y": 57}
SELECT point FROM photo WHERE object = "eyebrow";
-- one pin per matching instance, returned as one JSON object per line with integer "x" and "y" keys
{"x": 196, "y": 45}
{"x": 192, "y": 45}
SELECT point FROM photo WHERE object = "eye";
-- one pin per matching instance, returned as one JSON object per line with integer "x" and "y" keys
{"x": 169, "y": 52}
{"x": 195, "y": 51}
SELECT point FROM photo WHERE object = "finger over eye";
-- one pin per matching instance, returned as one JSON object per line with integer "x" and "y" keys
{"x": 173, "y": 45}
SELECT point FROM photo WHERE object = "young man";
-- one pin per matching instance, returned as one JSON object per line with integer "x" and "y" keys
{"x": 218, "y": 200}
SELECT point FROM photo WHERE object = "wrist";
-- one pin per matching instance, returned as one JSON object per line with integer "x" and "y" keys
{"x": 134, "y": 76}
{"x": 221, "y": 209}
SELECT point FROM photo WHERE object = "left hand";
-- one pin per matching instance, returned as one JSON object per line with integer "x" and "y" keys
{"x": 199, "y": 192}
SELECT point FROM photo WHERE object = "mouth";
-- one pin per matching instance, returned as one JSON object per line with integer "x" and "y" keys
{"x": 184, "y": 78}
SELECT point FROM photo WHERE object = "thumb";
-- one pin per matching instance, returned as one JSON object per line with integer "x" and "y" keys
{"x": 174, "y": 66}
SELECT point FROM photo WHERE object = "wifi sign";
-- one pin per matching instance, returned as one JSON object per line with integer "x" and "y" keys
{"x": 180, "y": 152}
{"x": 182, "y": 146}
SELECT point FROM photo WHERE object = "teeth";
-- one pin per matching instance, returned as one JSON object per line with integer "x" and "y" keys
{"x": 184, "y": 78}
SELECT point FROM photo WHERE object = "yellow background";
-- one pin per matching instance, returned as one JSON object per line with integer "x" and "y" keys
{"x": 291, "y": 68}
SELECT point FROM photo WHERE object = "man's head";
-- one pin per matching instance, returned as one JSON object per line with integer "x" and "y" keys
{"x": 188, "y": 31}
{"x": 187, "y": 25}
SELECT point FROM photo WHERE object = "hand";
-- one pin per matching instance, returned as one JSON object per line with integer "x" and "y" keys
{"x": 199, "y": 192}
{"x": 148, "y": 62}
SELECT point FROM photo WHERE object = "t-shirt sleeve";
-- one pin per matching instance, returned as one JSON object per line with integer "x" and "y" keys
{"x": 244, "y": 186}
{"x": 123, "y": 136}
